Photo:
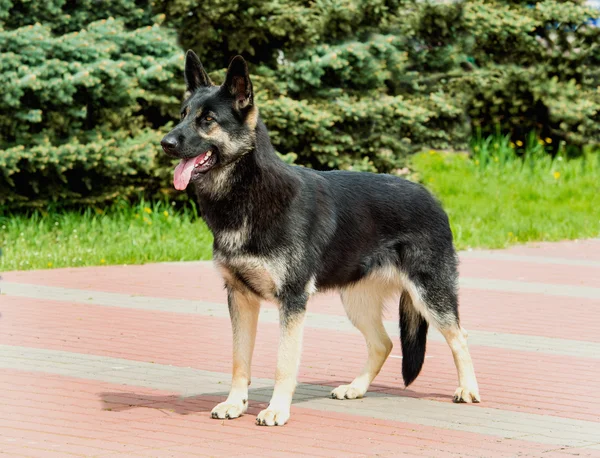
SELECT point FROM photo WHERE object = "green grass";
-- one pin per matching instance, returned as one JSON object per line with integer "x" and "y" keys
{"x": 497, "y": 198}
{"x": 494, "y": 199}
{"x": 121, "y": 234}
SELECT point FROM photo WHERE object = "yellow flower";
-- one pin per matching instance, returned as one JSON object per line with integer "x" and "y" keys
{"x": 49, "y": 264}
{"x": 548, "y": 140}
{"x": 432, "y": 152}
{"x": 519, "y": 143}
{"x": 166, "y": 213}
{"x": 556, "y": 175}
{"x": 540, "y": 141}
{"x": 148, "y": 210}
{"x": 146, "y": 220}
{"x": 102, "y": 261}
{"x": 512, "y": 145}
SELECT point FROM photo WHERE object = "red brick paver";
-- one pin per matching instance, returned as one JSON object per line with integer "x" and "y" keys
{"x": 86, "y": 379}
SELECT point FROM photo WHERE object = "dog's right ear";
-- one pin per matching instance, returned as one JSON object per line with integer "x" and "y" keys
{"x": 238, "y": 84}
{"x": 195, "y": 75}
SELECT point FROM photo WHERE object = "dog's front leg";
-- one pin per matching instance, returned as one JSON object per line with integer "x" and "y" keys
{"x": 243, "y": 310}
{"x": 291, "y": 321}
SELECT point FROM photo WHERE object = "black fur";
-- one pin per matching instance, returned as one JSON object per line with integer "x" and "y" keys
{"x": 413, "y": 337}
{"x": 195, "y": 75}
{"x": 334, "y": 227}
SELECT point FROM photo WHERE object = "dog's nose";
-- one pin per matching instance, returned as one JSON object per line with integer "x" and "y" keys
{"x": 169, "y": 144}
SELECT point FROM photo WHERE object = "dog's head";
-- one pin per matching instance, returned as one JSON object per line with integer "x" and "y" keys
{"x": 217, "y": 124}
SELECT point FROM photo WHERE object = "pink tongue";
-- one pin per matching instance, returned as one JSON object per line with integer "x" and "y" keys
{"x": 183, "y": 173}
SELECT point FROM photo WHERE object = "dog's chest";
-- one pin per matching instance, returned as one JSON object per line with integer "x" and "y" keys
{"x": 261, "y": 275}
{"x": 232, "y": 241}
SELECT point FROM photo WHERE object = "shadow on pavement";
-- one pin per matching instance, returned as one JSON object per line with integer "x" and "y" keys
{"x": 259, "y": 398}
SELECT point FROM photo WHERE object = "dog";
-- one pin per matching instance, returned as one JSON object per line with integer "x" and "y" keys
{"x": 282, "y": 233}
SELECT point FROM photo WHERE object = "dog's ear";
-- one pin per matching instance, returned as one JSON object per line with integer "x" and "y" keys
{"x": 238, "y": 83}
{"x": 195, "y": 76}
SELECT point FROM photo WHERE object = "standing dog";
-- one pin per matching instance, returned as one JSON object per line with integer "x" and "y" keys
{"x": 281, "y": 233}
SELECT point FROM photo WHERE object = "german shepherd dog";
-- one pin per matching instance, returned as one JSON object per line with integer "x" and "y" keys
{"x": 281, "y": 233}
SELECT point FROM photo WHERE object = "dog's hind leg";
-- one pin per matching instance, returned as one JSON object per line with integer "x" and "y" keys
{"x": 468, "y": 390}
{"x": 363, "y": 303}
{"x": 243, "y": 310}
{"x": 291, "y": 322}
{"x": 437, "y": 303}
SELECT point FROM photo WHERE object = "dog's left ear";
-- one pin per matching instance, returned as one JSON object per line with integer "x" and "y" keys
{"x": 238, "y": 83}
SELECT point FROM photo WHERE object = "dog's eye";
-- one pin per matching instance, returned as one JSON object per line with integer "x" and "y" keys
{"x": 184, "y": 113}
{"x": 209, "y": 119}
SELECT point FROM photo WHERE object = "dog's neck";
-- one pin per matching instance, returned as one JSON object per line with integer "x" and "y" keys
{"x": 256, "y": 189}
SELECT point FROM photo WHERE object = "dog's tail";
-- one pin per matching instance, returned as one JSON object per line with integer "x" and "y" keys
{"x": 413, "y": 337}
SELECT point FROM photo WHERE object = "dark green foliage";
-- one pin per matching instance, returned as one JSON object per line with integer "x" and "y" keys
{"x": 359, "y": 84}
{"x": 77, "y": 108}
{"x": 63, "y": 16}
{"x": 537, "y": 69}
{"x": 261, "y": 29}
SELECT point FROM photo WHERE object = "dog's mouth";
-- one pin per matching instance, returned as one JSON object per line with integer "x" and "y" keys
{"x": 189, "y": 169}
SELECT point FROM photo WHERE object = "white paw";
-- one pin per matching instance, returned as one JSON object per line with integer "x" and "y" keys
{"x": 468, "y": 395}
{"x": 347, "y": 392}
{"x": 273, "y": 417}
{"x": 229, "y": 410}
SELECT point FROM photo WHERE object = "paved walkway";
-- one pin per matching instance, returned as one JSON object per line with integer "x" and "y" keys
{"x": 129, "y": 361}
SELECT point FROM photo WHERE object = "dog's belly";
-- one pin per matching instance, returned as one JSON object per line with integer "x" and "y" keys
{"x": 261, "y": 276}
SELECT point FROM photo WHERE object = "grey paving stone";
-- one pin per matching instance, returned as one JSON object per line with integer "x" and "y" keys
{"x": 519, "y": 342}
{"x": 193, "y": 382}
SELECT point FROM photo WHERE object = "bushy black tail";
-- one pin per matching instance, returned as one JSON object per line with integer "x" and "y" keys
{"x": 413, "y": 337}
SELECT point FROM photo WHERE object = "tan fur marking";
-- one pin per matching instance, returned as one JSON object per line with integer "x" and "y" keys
{"x": 234, "y": 239}
{"x": 364, "y": 302}
{"x": 265, "y": 276}
{"x": 288, "y": 360}
{"x": 468, "y": 390}
{"x": 252, "y": 118}
{"x": 421, "y": 308}
{"x": 244, "y": 309}
{"x": 228, "y": 277}
{"x": 246, "y": 306}
{"x": 219, "y": 181}
{"x": 214, "y": 132}
{"x": 311, "y": 286}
